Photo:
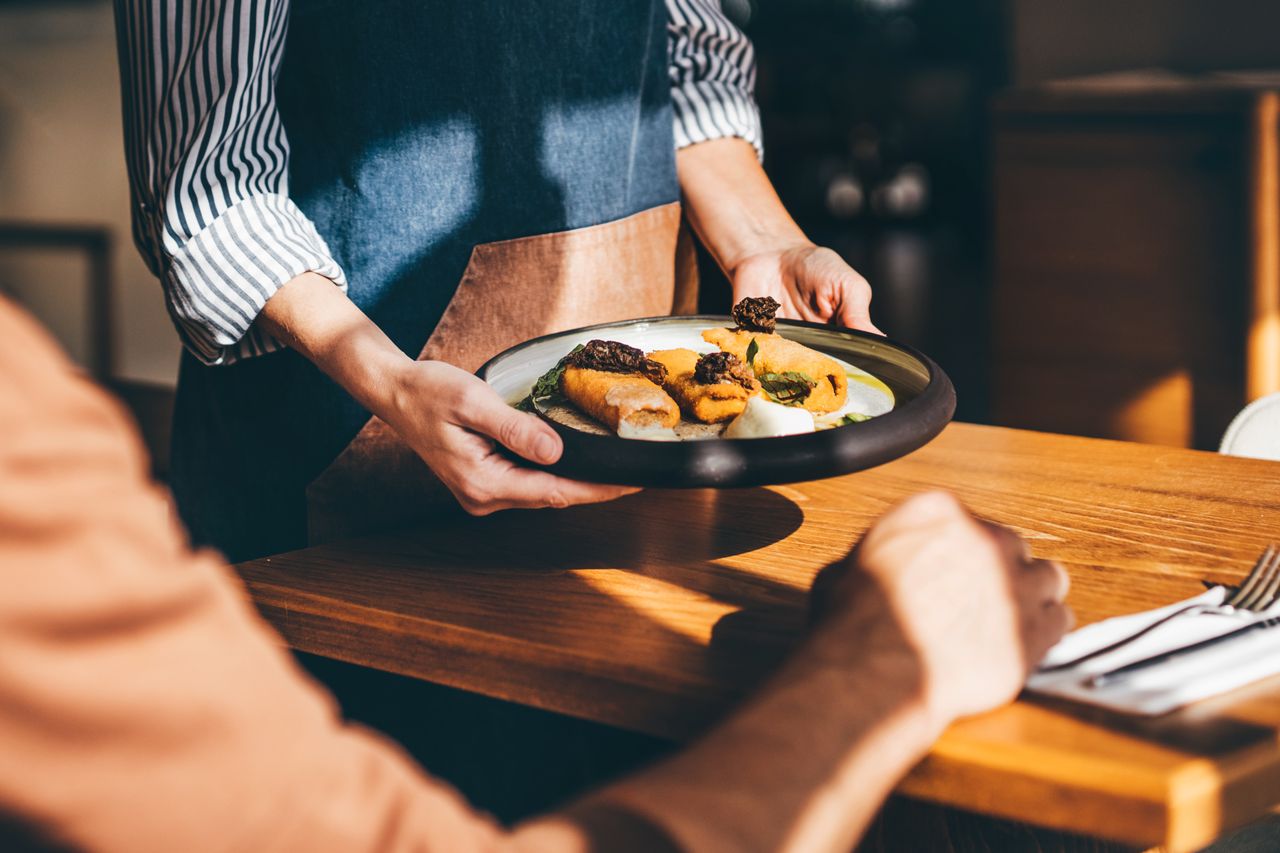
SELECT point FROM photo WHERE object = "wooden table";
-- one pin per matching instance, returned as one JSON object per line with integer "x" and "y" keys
{"x": 657, "y": 612}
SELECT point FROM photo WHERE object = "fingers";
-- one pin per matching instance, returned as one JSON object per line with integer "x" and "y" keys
{"x": 458, "y": 420}
{"x": 1038, "y": 582}
{"x": 1044, "y": 630}
{"x": 1043, "y": 587}
{"x": 928, "y": 506}
{"x": 482, "y": 410}
{"x": 522, "y": 488}
{"x": 849, "y": 295}
{"x": 811, "y": 283}
{"x": 484, "y": 481}
{"x": 537, "y": 489}
{"x": 1013, "y": 546}
{"x": 1046, "y": 582}
{"x": 1042, "y": 633}
{"x": 855, "y": 305}
{"x": 1040, "y": 588}
{"x": 922, "y": 523}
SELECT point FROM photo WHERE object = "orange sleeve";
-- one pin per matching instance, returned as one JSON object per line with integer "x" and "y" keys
{"x": 143, "y": 704}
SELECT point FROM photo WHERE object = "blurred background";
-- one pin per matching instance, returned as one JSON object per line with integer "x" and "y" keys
{"x": 1073, "y": 207}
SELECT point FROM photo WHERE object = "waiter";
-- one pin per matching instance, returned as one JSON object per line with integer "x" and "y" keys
{"x": 327, "y": 188}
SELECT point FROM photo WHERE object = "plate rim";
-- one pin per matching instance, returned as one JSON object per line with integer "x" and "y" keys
{"x": 934, "y": 406}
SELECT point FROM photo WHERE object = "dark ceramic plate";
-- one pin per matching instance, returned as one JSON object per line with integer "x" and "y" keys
{"x": 924, "y": 401}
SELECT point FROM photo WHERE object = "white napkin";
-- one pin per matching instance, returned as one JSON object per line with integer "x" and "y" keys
{"x": 1170, "y": 685}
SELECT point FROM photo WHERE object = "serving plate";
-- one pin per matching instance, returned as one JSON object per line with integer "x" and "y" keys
{"x": 923, "y": 403}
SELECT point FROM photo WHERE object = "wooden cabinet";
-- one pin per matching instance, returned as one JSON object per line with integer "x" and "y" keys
{"x": 1137, "y": 277}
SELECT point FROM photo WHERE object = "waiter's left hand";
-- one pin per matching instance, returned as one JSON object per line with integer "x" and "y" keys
{"x": 732, "y": 206}
{"x": 811, "y": 283}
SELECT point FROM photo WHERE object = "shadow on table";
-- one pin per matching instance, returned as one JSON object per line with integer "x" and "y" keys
{"x": 681, "y": 528}
{"x": 580, "y": 577}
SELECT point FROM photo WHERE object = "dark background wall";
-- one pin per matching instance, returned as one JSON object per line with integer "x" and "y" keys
{"x": 1059, "y": 38}
{"x": 877, "y": 130}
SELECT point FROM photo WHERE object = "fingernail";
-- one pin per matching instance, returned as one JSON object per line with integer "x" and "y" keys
{"x": 546, "y": 449}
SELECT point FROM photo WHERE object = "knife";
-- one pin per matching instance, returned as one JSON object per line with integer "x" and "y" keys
{"x": 1122, "y": 672}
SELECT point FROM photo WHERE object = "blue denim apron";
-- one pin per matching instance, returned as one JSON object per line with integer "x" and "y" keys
{"x": 420, "y": 134}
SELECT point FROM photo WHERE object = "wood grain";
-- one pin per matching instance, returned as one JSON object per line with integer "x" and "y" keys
{"x": 656, "y": 612}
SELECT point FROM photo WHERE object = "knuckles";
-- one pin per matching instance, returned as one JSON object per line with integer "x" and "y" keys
{"x": 934, "y": 504}
{"x": 460, "y": 398}
{"x": 476, "y": 499}
{"x": 513, "y": 432}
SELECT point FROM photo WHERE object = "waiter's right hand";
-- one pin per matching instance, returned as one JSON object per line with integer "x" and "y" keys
{"x": 455, "y": 421}
{"x": 449, "y": 417}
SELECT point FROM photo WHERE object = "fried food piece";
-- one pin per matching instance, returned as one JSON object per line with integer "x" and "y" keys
{"x": 711, "y": 388}
{"x": 777, "y": 355}
{"x": 612, "y": 398}
{"x": 616, "y": 384}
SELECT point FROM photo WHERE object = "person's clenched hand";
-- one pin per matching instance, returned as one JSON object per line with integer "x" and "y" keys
{"x": 954, "y": 602}
{"x": 455, "y": 421}
{"x": 810, "y": 282}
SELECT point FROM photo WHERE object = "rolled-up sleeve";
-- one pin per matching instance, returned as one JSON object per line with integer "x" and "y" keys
{"x": 208, "y": 166}
{"x": 713, "y": 75}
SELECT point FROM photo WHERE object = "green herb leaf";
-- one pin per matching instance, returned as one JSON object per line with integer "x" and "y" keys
{"x": 790, "y": 389}
{"x": 547, "y": 388}
{"x": 853, "y": 418}
{"x": 753, "y": 349}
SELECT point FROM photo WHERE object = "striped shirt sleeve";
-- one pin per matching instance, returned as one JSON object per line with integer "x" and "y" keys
{"x": 713, "y": 75}
{"x": 208, "y": 166}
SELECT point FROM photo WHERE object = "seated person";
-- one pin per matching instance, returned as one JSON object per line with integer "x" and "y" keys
{"x": 145, "y": 706}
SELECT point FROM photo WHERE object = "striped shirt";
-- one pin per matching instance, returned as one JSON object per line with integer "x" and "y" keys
{"x": 208, "y": 156}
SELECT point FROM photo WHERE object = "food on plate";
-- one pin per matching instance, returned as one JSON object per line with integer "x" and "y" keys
{"x": 711, "y": 387}
{"x": 756, "y": 313}
{"x": 789, "y": 373}
{"x": 618, "y": 386}
{"x": 762, "y": 418}
{"x": 755, "y": 384}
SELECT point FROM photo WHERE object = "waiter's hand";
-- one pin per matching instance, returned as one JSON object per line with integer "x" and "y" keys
{"x": 455, "y": 421}
{"x": 740, "y": 219}
{"x": 452, "y": 419}
{"x": 810, "y": 282}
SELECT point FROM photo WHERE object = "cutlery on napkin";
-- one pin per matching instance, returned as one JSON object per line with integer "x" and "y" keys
{"x": 1179, "y": 679}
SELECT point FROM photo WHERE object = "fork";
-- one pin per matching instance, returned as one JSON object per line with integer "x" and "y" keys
{"x": 1260, "y": 590}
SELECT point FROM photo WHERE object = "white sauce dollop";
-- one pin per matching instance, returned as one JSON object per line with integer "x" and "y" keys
{"x": 765, "y": 419}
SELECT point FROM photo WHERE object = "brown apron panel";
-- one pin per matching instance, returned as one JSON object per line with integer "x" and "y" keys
{"x": 511, "y": 291}
{"x": 685, "y": 302}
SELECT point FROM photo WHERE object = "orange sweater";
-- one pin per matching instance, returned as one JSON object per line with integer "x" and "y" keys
{"x": 143, "y": 704}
